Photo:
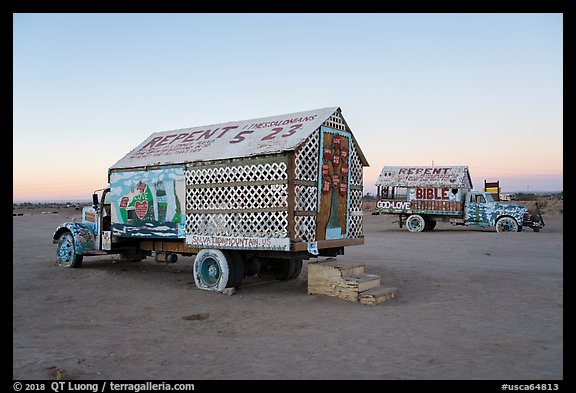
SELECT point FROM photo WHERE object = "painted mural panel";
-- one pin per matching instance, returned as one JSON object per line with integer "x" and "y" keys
{"x": 148, "y": 203}
{"x": 428, "y": 200}
{"x": 334, "y": 184}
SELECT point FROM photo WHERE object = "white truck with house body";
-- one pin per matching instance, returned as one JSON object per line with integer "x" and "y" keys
{"x": 423, "y": 195}
{"x": 253, "y": 197}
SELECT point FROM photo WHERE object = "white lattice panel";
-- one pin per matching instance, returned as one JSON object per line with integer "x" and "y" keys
{"x": 355, "y": 167}
{"x": 355, "y": 200}
{"x": 262, "y": 225}
{"x": 336, "y": 122}
{"x": 355, "y": 214}
{"x": 306, "y": 198}
{"x": 237, "y": 197}
{"x": 270, "y": 171}
{"x": 306, "y": 161}
{"x": 355, "y": 226}
{"x": 305, "y": 228}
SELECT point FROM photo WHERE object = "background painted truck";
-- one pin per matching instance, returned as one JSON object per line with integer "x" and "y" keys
{"x": 423, "y": 195}
{"x": 248, "y": 197}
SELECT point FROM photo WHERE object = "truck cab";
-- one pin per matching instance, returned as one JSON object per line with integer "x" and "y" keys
{"x": 481, "y": 209}
{"x": 90, "y": 236}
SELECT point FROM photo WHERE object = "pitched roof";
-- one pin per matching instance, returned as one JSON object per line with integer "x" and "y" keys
{"x": 425, "y": 176}
{"x": 234, "y": 139}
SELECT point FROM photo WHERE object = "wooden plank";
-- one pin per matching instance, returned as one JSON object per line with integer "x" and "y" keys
{"x": 303, "y": 246}
{"x": 304, "y": 213}
{"x": 346, "y": 268}
{"x": 291, "y": 168}
{"x": 237, "y": 184}
{"x": 345, "y": 281}
{"x": 310, "y": 183}
{"x": 238, "y": 161}
{"x": 163, "y": 245}
{"x": 377, "y": 295}
{"x": 363, "y": 281}
{"x": 225, "y": 211}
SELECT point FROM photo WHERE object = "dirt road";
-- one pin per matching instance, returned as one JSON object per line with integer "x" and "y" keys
{"x": 471, "y": 304}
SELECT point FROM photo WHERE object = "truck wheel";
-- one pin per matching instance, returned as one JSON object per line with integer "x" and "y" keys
{"x": 291, "y": 268}
{"x": 215, "y": 270}
{"x": 297, "y": 268}
{"x": 66, "y": 252}
{"x": 506, "y": 224}
{"x": 415, "y": 223}
{"x": 430, "y": 224}
{"x": 238, "y": 272}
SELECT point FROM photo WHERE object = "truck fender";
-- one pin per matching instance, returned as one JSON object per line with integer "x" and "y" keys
{"x": 84, "y": 236}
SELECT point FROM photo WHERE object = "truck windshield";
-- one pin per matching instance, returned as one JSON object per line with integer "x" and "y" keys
{"x": 489, "y": 198}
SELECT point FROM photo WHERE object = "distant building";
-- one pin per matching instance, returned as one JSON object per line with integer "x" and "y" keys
{"x": 507, "y": 196}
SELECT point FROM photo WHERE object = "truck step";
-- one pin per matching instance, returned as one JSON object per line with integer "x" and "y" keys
{"x": 347, "y": 268}
{"x": 377, "y": 295}
{"x": 346, "y": 281}
{"x": 363, "y": 281}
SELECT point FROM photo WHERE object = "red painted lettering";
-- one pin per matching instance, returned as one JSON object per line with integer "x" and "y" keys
{"x": 239, "y": 138}
{"x": 208, "y": 133}
{"x": 432, "y": 193}
{"x": 178, "y": 137}
{"x": 226, "y": 129}
{"x": 292, "y": 130}
{"x": 164, "y": 140}
{"x": 190, "y": 137}
{"x": 152, "y": 142}
{"x": 273, "y": 134}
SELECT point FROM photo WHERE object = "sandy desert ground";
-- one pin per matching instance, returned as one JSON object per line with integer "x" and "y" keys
{"x": 471, "y": 304}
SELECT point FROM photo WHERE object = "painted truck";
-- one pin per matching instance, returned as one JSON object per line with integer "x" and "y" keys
{"x": 254, "y": 197}
{"x": 423, "y": 195}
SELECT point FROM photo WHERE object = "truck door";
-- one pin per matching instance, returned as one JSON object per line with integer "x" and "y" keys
{"x": 475, "y": 210}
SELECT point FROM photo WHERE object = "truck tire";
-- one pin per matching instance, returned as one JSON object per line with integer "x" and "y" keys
{"x": 291, "y": 269}
{"x": 279, "y": 268}
{"x": 415, "y": 223}
{"x": 507, "y": 224}
{"x": 215, "y": 270}
{"x": 238, "y": 272}
{"x": 297, "y": 268}
{"x": 66, "y": 252}
{"x": 430, "y": 224}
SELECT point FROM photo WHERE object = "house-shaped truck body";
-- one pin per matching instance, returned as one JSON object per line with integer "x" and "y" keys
{"x": 283, "y": 187}
{"x": 424, "y": 190}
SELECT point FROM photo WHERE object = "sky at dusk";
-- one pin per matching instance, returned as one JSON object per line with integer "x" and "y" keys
{"x": 483, "y": 90}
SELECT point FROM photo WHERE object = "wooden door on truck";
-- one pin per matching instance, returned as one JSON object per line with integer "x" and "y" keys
{"x": 334, "y": 184}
